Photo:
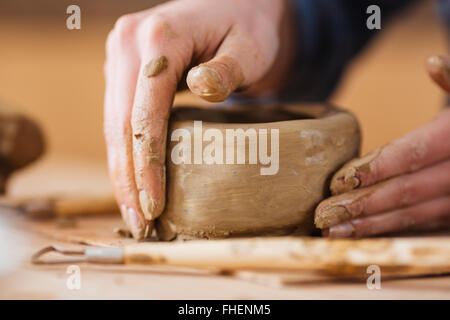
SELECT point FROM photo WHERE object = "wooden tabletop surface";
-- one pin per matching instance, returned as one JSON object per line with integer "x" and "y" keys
{"x": 55, "y": 175}
{"x": 29, "y": 281}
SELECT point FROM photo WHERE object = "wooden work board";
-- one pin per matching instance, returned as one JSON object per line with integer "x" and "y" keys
{"x": 162, "y": 282}
{"x": 119, "y": 281}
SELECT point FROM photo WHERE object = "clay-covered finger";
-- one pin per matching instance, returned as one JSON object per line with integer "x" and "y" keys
{"x": 161, "y": 68}
{"x": 150, "y": 118}
{"x": 431, "y": 214}
{"x": 418, "y": 149}
{"x": 121, "y": 70}
{"x": 438, "y": 68}
{"x": 392, "y": 194}
{"x": 239, "y": 62}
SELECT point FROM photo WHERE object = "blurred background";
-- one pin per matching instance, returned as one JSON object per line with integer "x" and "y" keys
{"x": 55, "y": 75}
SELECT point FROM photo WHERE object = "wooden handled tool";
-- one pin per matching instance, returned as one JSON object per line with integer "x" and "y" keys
{"x": 62, "y": 206}
{"x": 406, "y": 256}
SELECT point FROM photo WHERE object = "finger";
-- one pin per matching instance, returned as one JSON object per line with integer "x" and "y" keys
{"x": 239, "y": 62}
{"x": 438, "y": 68}
{"x": 395, "y": 193}
{"x": 121, "y": 72}
{"x": 163, "y": 60}
{"x": 430, "y": 214}
{"x": 418, "y": 149}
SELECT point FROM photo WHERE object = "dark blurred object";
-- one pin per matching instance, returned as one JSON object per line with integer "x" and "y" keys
{"x": 21, "y": 142}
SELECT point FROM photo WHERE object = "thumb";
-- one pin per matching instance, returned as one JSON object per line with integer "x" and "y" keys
{"x": 438, "y": 68}
{"x": 238, "y": 63}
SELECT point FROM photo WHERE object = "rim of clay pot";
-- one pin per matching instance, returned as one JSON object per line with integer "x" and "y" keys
{"x": 248, "y": 114}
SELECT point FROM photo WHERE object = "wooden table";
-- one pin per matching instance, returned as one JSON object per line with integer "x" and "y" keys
{"x": 123, "y": 282}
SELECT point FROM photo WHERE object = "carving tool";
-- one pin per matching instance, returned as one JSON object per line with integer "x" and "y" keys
{"x": 405, "y": 256}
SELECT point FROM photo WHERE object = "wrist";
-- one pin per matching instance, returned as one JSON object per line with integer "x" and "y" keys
{"x": 277, "y": 76}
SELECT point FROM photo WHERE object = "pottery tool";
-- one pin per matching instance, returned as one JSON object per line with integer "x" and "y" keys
{"x": 404, "y": 256}
{"x": 62, "y": 206}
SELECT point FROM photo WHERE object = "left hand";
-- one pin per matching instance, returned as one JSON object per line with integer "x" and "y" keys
{"x": 404, "y": 185}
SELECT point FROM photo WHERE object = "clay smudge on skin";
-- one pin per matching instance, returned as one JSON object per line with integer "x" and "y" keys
{"x": 148, "y": 205}
{"x": 169, "y": 31}
{"x": 155, "y": 66}
{"x": 332, "y": 216}
{"x": 154, "y": 161}
{"x": 134, "y": 221}
{"x": 349, "y": 177}
{"x": 153, "y": 145}
{"x": 349, "y": 206}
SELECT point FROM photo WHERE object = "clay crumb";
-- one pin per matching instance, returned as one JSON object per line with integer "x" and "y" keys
{"x": 155, "y": 66}
{"x": 153, "y": 145}
{"x": 169, "y": 31}
{"x": 66, "y": 222}
{"x": 124, "y": 233}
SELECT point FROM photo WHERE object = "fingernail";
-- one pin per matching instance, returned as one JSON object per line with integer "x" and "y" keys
{"x": 349, "y": 177}
{"x": 438, "y": 65}
{"x": 205, "y": 82}
{"x": 148, "y": 229}
{"x": 136, "y": 227}
{"x": 331, "y": 216}
{"x": 342, "y": 230}
{"x": 148, "y": 205}
{"x": 124, "y": 213}
{"x": 134, "y": 222}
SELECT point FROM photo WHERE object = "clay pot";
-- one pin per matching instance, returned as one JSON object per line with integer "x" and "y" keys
{"x": 227, "y": 200}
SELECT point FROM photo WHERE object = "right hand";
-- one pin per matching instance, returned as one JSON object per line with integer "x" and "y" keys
{"x": 239, "y": 43}
{"x": 402, "y": 186}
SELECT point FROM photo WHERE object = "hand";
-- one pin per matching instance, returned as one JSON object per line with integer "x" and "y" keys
{"x": 238, "y": 43}
{"x": 404, "y": 185}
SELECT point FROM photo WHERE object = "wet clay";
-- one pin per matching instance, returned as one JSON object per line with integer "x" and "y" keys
{"x": 228, "y": 200}
{"x": 332, "y": 216}
{"x": 343, "y": 207}
{"x": 349, "y": 176}
{"x": 155, "y": 66}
